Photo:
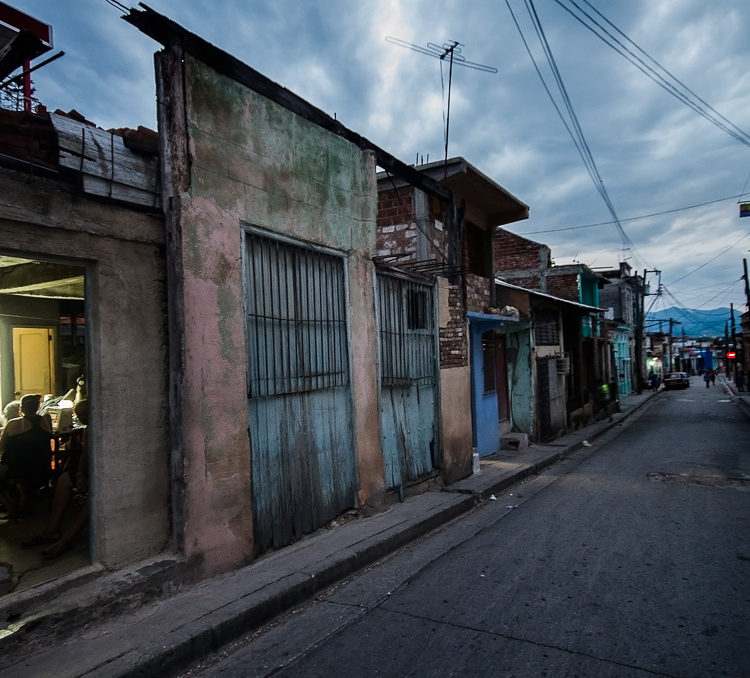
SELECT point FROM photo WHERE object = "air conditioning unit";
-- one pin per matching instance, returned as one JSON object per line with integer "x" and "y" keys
{"x": 563, "y": 364}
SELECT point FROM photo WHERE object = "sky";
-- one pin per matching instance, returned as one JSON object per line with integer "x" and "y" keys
{"x": 672, "y": 178}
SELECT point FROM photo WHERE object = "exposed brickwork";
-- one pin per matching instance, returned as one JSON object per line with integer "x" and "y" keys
{"x": 397, "y": 232}
{"x": 394, "y": 207}
{"x": 477, "y": 293}
{"x": 528, "y": 282}
{"x": 563, "y": 285}
{"x": 515, "y": 253}
{"x": 454, "y": 344}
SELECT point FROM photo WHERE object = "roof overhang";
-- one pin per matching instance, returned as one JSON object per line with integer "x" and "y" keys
{"x": 487, "y": 321}
{"x": 573, "y": 305}
{"x": 467, "y": 182}
{"x": 22, "y": 38}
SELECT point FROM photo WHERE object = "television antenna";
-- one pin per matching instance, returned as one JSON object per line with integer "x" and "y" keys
{"x": 450, "y": 51}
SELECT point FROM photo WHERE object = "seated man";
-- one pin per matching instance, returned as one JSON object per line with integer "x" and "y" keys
{"x": 71, "y": 488}
{"x": 11, "y": 411}
{"x": 25, "y": 456}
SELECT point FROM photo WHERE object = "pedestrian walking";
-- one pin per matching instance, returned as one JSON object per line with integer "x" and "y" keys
{"x": 707, "y": 377}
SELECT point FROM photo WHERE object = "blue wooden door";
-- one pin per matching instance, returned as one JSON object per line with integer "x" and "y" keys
{"x": 408, "y": 379}
{"x": 299, "y": 399}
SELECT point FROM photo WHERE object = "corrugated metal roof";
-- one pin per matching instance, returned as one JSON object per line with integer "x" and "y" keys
{"x": 536, "y": 293}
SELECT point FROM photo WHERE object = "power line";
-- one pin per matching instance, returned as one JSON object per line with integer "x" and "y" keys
{"x": 671, "y": 84}
{"x": 572, "y": 125}
{"x": 710, "y": 260}
{"x": 723, "y": 293}
{"x": 642, "y": 216}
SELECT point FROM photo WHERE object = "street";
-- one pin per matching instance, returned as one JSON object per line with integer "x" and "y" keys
{"x": 628, "y": 558}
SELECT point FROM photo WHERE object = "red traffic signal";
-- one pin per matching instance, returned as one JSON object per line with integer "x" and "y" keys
{"x": 731, "y": 355}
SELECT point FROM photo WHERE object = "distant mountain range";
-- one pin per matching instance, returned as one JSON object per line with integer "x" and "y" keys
{"x": 694, "y": 323}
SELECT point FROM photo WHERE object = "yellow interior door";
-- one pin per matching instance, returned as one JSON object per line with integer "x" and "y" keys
{"x": 34, "y": 360}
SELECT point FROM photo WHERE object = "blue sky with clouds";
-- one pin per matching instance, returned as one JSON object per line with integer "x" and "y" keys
{"x": 652, "y": 152}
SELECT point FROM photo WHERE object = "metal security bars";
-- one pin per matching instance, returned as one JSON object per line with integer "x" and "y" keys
{"x": 296, "y": 318}
{"x": 407, "y": 332}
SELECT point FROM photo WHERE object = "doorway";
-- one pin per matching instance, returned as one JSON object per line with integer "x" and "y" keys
{"x": 43, "y": 348}
{"x": 34, "y": 359}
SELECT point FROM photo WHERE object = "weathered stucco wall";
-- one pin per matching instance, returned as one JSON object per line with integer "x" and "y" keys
{"x": 455, "y": 414}
{"x": 254, "y": 163}
{"x": 122, "y": 252}
{"x": 520, "y": 378}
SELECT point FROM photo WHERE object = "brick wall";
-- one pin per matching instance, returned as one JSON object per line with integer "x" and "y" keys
{"x": 525, "y": 281}
{"x": 564, "y": 286}
{"x": 477, "y": 293}
{"x": 513, "y": 252}
{"x": 396, "y": 233}
{"x": 394, "y": 206}
{"x": 454, "y": 344}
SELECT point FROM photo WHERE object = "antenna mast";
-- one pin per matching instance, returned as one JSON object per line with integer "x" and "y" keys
{"x": 448, "y": 50}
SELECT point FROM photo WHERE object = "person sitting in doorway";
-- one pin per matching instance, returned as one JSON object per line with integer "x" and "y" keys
{"x": 11, "y": 411}
{"x": 25, "y": 461}
{"x": 71, "y": 490}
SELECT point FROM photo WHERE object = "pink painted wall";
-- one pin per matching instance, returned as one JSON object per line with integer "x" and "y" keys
{"x": 253, "y": 163}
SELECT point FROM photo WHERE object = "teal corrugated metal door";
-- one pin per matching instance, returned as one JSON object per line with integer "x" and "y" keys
{"x": 299, "y": 400}
{"x": 408, "y": 379}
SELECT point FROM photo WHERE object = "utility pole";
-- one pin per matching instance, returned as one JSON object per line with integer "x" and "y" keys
{"x": 733, "y": 342}
{"x": 672, "y": 322}
{"x": 640, "y": 329}
{"x": 726, "y": 348}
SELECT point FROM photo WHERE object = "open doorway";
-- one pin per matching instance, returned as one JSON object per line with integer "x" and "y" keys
{"x": 43, "y": 349}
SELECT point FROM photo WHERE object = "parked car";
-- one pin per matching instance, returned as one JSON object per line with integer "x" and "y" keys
{"x": 677, "y": 380}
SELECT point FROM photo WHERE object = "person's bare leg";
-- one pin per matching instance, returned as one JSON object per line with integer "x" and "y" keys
{"x": 60, "y": 501}
{"x": 61, "y": 545}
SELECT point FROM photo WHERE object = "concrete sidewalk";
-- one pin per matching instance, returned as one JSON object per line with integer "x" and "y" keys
{"x": 740, "y": 398}
{"x": 164, "y": 636}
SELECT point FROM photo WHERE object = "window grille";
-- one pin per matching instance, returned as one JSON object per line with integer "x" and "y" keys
{"x": 407, "y": 331}
{"x": 545, "y": 328}
{"x": 296, "y": 318}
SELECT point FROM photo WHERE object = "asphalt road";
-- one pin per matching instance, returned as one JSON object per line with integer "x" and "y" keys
{"x": 631, "y": 558}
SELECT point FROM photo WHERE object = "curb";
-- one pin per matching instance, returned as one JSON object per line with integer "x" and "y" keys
{"x": 742, "y": 401}
{"x": 197, "y": 640}
{"x": 172, "y": 633}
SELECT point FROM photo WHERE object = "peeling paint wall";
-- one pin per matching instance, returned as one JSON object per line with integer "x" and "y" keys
{"x": 255, "y": 163}
{"x": 455, "y": 420}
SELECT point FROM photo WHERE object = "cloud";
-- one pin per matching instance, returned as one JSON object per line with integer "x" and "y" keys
{"x": 654, "y": 154}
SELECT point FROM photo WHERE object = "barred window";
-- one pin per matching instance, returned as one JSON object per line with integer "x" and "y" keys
{"x": 407, "y": 331}
{"x": 296, "y": 318}
{"x": 545, "y": 328}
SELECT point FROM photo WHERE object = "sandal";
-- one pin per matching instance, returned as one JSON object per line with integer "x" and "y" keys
{"x": 54, "y": 551}
{"x": 39, "y": 540}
